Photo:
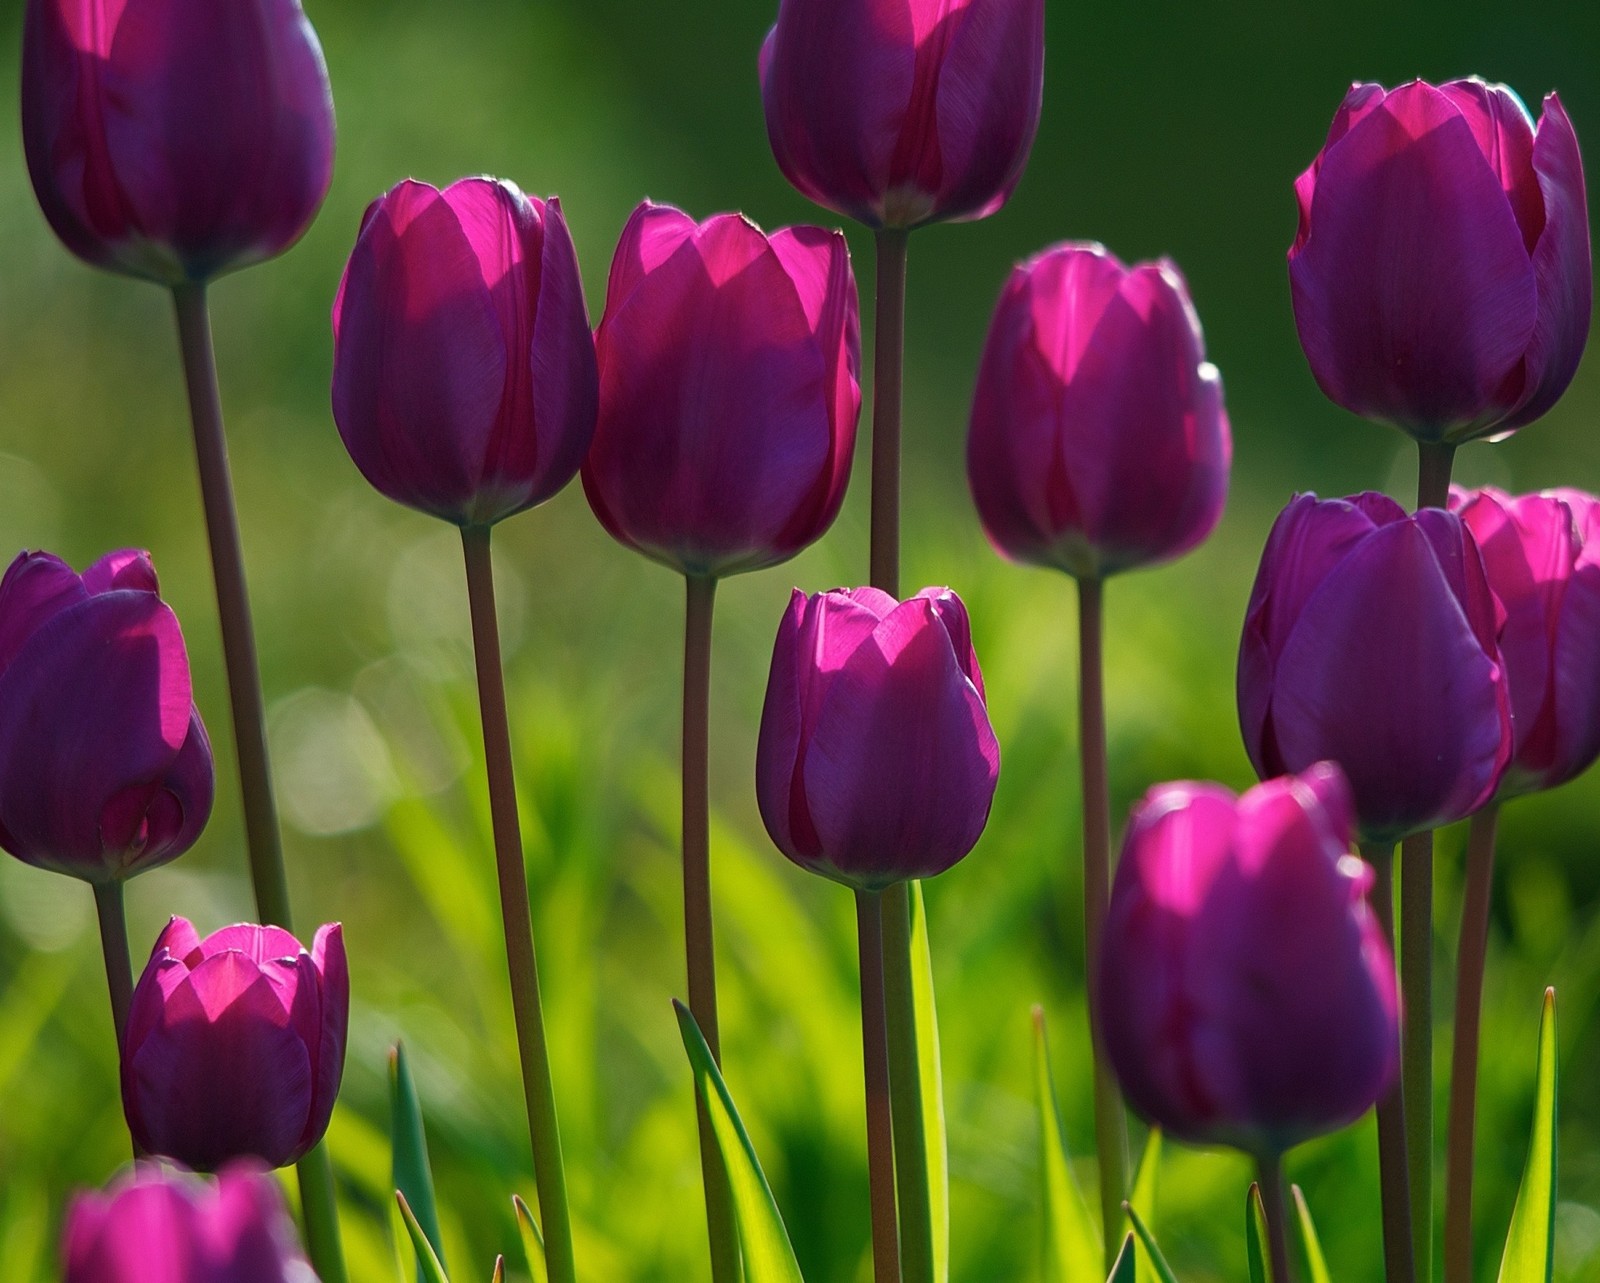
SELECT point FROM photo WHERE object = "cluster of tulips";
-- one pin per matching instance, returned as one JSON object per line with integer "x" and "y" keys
{"x": 1398, "y": 671}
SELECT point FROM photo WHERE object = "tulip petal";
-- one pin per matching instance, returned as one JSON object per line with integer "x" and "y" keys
{"x": 778, "y": 790}
{"x": 143, "y": 1232}
{"x": 1361, "y": 99}
{"x": 37, "y": 587}
{"x": 333, "y": 985}
{"x": 1503, "y": 130}
{"x": 125, "y": 568}
{"x": 653, "y": 234}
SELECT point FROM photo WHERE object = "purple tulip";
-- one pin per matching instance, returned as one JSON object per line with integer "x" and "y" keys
{"x": 464, "y": 378}
{"x": 876, "y": 762}
{"x": 728, "y": 392}
{"x": 1542, "y": 555}
{"x": 1099, "y": 442}
{"x": 1370, "y": 640}
{"x": 903, "y": 112}
{"x": 235, "y": 1044}
{"x": 1246, "y": 993}
{"x": 1441, "y": 273}
{"x": 105, "y": 768}
{"x": 155, "y": 1224}
{"x": 175, "y": 139}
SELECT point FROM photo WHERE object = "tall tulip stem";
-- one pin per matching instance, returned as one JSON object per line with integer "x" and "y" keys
{"x": 888, "y": 361}
{"x": 1434, "y": 461}
{"x": 1416, "y": 1055}
{"x": 875, "y": 1061}
{"x": 905, "y": 1085}
{"x": 537, "y": 1088}
{"x": 1269, "y": 1175}
{"x": 1464, "y": 1054}
{"x": 119, "y": 971}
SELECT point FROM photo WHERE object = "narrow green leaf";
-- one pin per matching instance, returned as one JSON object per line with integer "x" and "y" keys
{"x": 1255, "y": 1234}
{"x": 1158, "y": 1262}
{"x": 932, "y": 1076}
{"x": 1143, "y": 1198}
{"x": 768, "y": 1254}
{"x": 532, "y": 1241}
{"x": 1071, "y": 1241}
{"x": 499, "y": 1275}
{"x": 1316, "y": 1264}
{"x": 410, "y": 1172}
{"x": 429, "y": 1268}
{"x": 1123, "y": 1270}
{"x": 1530, "y": 1245}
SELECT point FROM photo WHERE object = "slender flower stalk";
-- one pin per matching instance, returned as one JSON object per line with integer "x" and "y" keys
{"x": 875, "y": 1060}
{"x": 114, "y": 946}
{"x": 888, "y": 371}
{"x": 538, "y": 1090}
{"x": 1416, "y": 985}
{"x": 1269, "y": 1174}
{"x": 1433, "y": 474}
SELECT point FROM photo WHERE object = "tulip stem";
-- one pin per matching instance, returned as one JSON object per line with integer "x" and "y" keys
{"x": 233, "y": 607}
{"x": 1269, "y": 1178}
{"x": 875, "y": 1062}
{"x": 1464, "y": 1056}
{"x": 119, "y": 972}
{"x": 1110, "y": 1125}
{"x": 319, "y": 1208}
{"x": 1416, "y": 1058}
{"x": 1392, "y": 1167}
{"x": 537, "y": 1088}
{"x": 905, "y": 1091}
{"x": 699, "y": 942}
{"x": 888, "y": 361}
{"x": 1433, "y": 474}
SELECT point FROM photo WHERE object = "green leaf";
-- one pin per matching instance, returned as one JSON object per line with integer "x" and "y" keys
{"x": 1143, "y": 1198}
{"x": 932, "y": 1076}
{"x": 1123, "y": 1270}
{"x": 429, "y": 1268}
{"x": 768, "y": 1254}
{"x": 499, "y": 1275}
{"x": 1071, "y": 1241}
{"x": 532, "y": 1241}
{"x": 1148, "y": 1240}
{"x": 410, "y": 1172}
{"x": 1255, "y": 1234}
{"x": 1316, "y": 1264}
{"x": 1530, "y": 1245}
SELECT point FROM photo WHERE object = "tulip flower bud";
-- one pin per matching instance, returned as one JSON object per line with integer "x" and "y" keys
{"x": 235, "y": 1044}
{"x": 1246, "y": 995}
{"x": 464, "y": 378}
{"x": 1441, "y": 273}
{"x": 903, "y": 112}
{"x": 728, "y": 390}
{"x": 1098, "y": 442}
{"x": 1370, "y": 640}
{"x": 1542, "y": 555}
{"x": 105, "y": 768}
{"x": 157, "y": 1224}
{"x": 175, "y": 139}
{"x": 875, "y": 762}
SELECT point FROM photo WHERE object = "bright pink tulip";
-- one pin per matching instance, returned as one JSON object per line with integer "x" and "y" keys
{"x": 1246, "y": 993}
{"x": 105, "y": 768}
{"x": 1099, "y": 442}
{"x": 876, "y": 761}
{"x": 464, "y": 378}
{"x": 903, "y": 112}
{"x": 175, "y": 139}
{"x": 1441, "y": 274}
{"x": 235, "y": 1044}
{"x": 728, "y": 392}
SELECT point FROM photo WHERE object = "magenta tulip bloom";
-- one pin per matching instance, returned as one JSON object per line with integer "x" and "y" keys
{"x": 235, "y": 1044}
{"x": 175, "y": 139}
{"x": 875, "y": 762}
{"x": 1246, "y": 995}
{"x": 1099, "y": 442}
{"x": 464, "y": 378}
{"x": 1441, "y": 273}
{"x": 903, "y": 112}
{"x": 155, "y": 1224}
{"x": 728, "y": 392}
{"x": 105, "y": 768}
{"x": 1542, "y": 556}
{"x": 1370, "y": 640}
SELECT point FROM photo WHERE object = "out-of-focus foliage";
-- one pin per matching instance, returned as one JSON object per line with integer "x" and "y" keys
{"x": 1167, "y": 129}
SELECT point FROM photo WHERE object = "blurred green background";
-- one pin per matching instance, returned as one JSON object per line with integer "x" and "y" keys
{"x": 1168, "y": 129}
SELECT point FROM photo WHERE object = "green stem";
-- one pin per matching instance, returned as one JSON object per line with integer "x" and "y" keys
{"x": 1464, "y": 1055}
{"x": 1433, "y": 474}
{"x": 888, "y": 356}
{"x": 537, "y": 1088}
{"x": 119, "y": 972}
{"x": 875, "y": 1062}
{"x": 1269, "y": 1177}
{"x": 1392, "y": 1167}
{"x": 905, "y": 1091}
{"x": 1416, "y": 1062}
{"x": 319, "y": 1206}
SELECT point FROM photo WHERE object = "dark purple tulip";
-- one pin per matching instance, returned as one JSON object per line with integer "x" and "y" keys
{"x": 1099, "y": 442}
{"x": 1246, "y": 993}
{"x": 105, "y": 768}
{"x": 875, "y": 762}
{"x": 1441, "y": 273}
{"x": 1542, "y": 555}
{"x": 235, "y": 1044}
{"x": 728, "y": 392}
{"x": 464, "y": 378}
{"x": 155, "y": 1224}
{"x": 175, "y": 139}
{"x": 1370, "y": 640}
{"x": 903, "y": 112}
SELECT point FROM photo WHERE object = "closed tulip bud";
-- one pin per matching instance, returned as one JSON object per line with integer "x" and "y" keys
{"x": 876, "y": 761}
{"x": 155, "y": 1224}
{"x": 464, "y": 379}
{"x": 235, "y": 1044}
{"x": 1441, "y": 273}
{"x": 1099, "y": 442}
{"x": 728, "y": 392}
{"x": 1246, "y": 995}
{"x": 1370, "y": 640}
{"x": 1542, "y": 556}
{"x": 175, "y": 139}
{"x": 903, "y": 112}
{"x": 105, "y": 768}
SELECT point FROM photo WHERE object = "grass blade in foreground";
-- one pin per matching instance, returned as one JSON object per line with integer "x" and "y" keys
{"x": 932, "y": 1076}
{"x": 1157, "y": 1261}
{"x": 410, "y": 1171}
{"x": 1530, "y": 1245}
{"x": 532, "y": 1241}
{"x": 1255, "y": 1236}
{"x": 1143, "y": 1198}
{"x": 429, "y": 1270}
{"x": 1316, "y": 1264}
{"x": 1123, "y": 1270}
{"x": 1072, "y": 1245}
{"x": 768, "y": 1254}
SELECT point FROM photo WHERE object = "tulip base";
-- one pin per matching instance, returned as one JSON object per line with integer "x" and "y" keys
{"x": 875, "y": 1063}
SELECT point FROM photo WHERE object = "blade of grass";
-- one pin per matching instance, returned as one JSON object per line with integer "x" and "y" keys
{"x": 1530, "y": 1244}
{"x": 410, "y": 1172}
{"x": 1316, "y": 1264}
{"x": 1158, "y": 1262}
{"x": 1255, "y": 1234}
{"x": 428, "y": 1267}
{"x": 532, "y": 1241}
{"x": 1071, "y": 1244}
